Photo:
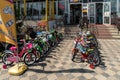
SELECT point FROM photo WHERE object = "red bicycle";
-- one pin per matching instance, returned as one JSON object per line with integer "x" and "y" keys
{"x": 90, "y": 55}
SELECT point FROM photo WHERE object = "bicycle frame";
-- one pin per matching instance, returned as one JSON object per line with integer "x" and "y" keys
{"x": 17, "y": 55}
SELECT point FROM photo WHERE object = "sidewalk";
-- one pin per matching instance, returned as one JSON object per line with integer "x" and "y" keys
{"x": 58, "y": 65}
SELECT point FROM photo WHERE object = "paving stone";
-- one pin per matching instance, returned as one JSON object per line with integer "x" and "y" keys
{"x": 64, "y": 63}
{"x": 14, "y": 78}
{"x": 62, "y": 78}
{"x": 117, "y": 76}
{"x": 4, "y": 72}
{"x": 111, "y": 64}
{"x": 52, "y": 77}
{"x": 6, "y": 78}
{"x": 117, "y": 67}
{"x": 93, "y": 78}
{"x": 61, "y": 68}
{"x": 53, "y": 66}
{"x": 70, "y": 76}
{"x": 31, "y": 72}
{"x": 81, "y": 78}
{"x": 45, "y": 78}
{"x": 33, "y": 77}
{"x": 110, "y": 72}
{"x": 75, "y": 79}
{"x": 55, "y": 62}
{"x": 99, "y": 77}
{"x": 113, "y": 69}
{"x": 112, "y": 78}
{"x": 72, "y": 64}
{"x": 25, "y": 78}
{"x": 76, "y": 75}
{"x": 118, "y": 72}
{"x": 59, "y": 74}
{"x": 103, "y": 67}
{"x": 23, "y": 75}
{"x": 88, "y": 76}
{"x": 42, "y": 75}
{"x": 105, "y": 74}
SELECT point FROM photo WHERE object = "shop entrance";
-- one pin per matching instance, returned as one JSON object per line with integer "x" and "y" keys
{"x": 99, "y": 13}
{"x": 75, "y": 13}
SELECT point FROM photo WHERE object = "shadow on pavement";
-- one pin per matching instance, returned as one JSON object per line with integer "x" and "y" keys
{"x": 78, "y": 70}
{"x": 102, "y": 60}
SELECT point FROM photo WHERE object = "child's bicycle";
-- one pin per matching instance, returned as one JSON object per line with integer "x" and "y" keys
{"x": 90, "y": 55}
{"x": 25, "y": 54}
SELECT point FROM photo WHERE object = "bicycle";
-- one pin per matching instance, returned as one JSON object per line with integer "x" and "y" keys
{"x": 87, "y": 53}
{"x": 22, "y": 54}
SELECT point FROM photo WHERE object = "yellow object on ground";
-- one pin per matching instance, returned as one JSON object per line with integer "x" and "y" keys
{"x": 17, "y": 69}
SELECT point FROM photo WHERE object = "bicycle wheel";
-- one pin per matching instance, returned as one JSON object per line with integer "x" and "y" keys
{"x": 94, "y": 59}
{"x": 5, "y": 57}
{"x": 60, "y": 36}
{"x": 74, "y": 53}
{"x": 29, "y": 58}
{"x": 38, "y": 55}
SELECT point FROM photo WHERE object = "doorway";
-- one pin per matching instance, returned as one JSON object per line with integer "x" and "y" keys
{"x": 99, "y": 13}
{"x": 106, "y": 13}
{"x": 75, "y": 13}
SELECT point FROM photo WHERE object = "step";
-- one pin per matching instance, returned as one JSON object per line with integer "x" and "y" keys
{"x": 117, "y": 37}
{"x": 115, "y": 34}
{"x": 113, "y": 31}
{"x": 104, "y": 37}
{"x": 105, "y": 29}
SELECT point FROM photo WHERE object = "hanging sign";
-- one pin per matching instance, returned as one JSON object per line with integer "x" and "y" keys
{"x": 84, "y": 7}
{"x": 106, "y": 9}
{"x": 72, "y": 1}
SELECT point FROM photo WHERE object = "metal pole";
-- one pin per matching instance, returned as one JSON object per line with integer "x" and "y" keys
{"x": 24, "y": 7}
{"x": 53, "y": 14}
{"x": 46, "y": 14}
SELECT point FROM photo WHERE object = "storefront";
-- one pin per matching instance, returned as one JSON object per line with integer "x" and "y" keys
{"x": 97, "y": 11}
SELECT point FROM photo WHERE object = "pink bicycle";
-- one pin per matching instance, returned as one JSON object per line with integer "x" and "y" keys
{"x": 24, "y": 54}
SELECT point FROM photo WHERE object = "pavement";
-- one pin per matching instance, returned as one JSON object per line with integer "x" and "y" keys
{"x": 58, "y": 64}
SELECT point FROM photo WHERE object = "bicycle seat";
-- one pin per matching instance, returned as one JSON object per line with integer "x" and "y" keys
{"x": 13, "y": 48}
{"x": 89, "y": 50}
{"x": 29, "y": 45}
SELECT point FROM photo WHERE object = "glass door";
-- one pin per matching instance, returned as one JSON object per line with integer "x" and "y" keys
{"x": 106, "y": 13}
{"x": 91, "y": 12}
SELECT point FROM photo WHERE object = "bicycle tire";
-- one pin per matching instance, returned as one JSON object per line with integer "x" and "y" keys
{"x": 32, "y": 60}
{"x": 4, "y": 58}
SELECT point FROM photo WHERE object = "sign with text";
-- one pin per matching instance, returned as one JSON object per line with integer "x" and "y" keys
{"x": 84, "y": 7}
{"x": 72, "y": 1}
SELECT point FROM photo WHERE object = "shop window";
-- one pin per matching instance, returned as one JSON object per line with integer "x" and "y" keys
{"x": 74, "y": 0}
{"x": 106, "y": 20}
{"x": 54, "y": 8}
{"x": 17, "y": 11}
{"x": 61, "y": 7}
{"x": 85, "y": 1}
{"x": 97, "y": 0}
{"x": 119, "y": 7}
{"x": 42, "y": 8}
